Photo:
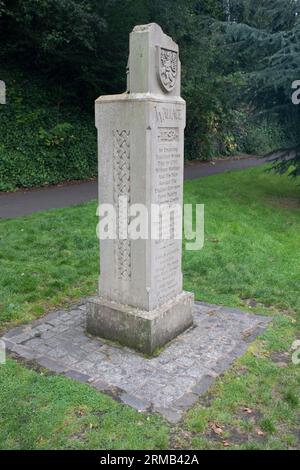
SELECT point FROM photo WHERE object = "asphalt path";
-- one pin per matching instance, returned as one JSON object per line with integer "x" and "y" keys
{"x": 25, "y": 202}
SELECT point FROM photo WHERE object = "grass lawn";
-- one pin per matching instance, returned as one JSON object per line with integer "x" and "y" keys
{"x": 251, "y": 259}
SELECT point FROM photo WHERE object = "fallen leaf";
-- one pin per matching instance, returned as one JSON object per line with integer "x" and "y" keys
{"x": 281, "y": 364}
{"x": 247, "y": 410}
{"x": 216, "y": 429}
{"x": 247, "y": 333}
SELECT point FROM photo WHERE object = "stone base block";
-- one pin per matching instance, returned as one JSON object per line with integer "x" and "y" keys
{"x": 139, "y": 329}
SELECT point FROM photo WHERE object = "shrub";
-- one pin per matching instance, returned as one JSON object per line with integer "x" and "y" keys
{"x": 264, "y": 136}
{"x": 43, "y": 141}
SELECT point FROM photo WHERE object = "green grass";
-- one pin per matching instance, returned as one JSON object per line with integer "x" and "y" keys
{"x": 252, "y": 240}
{"x": 256, "y": 403}
{"x": 44, "y": 137}
{"x": 251, "y": 259}
{"x": 46, "y": 412}
{"x": 46, "y": 259}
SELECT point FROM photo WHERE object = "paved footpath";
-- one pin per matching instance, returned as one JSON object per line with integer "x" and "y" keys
{"x": 26, "y": 202}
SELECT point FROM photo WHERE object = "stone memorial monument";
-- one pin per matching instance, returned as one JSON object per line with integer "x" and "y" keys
{"x": 141, "y": 144}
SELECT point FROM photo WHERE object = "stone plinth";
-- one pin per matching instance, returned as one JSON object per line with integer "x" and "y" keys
{"x": 140, "y": 329}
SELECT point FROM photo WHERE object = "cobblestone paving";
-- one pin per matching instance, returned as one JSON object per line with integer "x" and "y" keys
{"x": 169, "y": 384}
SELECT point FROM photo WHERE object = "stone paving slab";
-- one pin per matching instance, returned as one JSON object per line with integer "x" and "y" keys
{"x": 169, "y": 383}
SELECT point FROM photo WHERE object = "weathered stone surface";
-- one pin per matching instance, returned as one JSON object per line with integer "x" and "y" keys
{"x": 186, "y": 401}
{"x": 52, "y": 365}
{"x": 102, "y": 386}
{"x": 134, "y": 402}
{"x": 203, "y": 384}
{"x": 168, "y": 383}
{"x": 74, "y": 374}
{"x": 139, "y": 329}
{"x": 170, "y": 414}
{"x": 141, "y": 155}
{"x": 15, "y": 332}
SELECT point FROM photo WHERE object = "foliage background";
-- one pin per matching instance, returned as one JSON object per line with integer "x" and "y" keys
{"x": 239, "y": 59}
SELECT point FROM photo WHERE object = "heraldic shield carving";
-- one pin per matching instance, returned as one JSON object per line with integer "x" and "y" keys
{"x": 167, "y": 68}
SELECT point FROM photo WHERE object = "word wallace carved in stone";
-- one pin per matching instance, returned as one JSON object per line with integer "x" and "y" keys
{"x": 141, "y": 143}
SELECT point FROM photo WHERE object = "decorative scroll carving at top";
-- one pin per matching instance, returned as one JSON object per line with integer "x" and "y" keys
{"x": 122, "y": 188}
{"x": 168, "y": 68}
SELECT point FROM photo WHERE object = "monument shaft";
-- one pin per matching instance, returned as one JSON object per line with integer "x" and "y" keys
{"x": 141, "y": 145}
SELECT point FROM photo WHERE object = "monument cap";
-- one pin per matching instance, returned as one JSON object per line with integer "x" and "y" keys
{"x": 154, "y": 64}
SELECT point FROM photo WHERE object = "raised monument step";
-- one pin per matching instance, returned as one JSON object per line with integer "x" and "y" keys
{"x": 145, "y": 331}
{"x": 169, "y": 383}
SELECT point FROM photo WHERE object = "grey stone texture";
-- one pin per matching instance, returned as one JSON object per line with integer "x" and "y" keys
{"x": 139, "y": 329}
{"x": 168, "y": 384}
{"x": 141, "y": 156}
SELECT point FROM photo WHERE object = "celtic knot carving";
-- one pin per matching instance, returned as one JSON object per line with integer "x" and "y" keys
{"x": 121, "y": 164}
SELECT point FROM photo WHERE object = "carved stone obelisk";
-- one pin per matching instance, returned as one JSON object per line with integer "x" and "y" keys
{"x": 141, "y": 144}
